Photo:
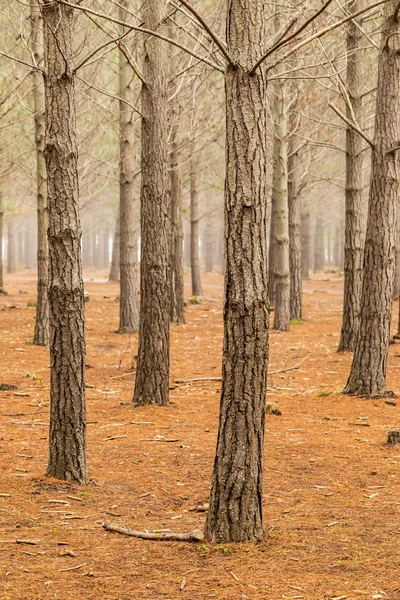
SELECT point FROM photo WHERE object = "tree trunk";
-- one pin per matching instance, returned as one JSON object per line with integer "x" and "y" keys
{"x": 177, "y": 289}
{"x": 106, "y": 247}
{"x": 354, "y": 237}
{"x": 319, "y": 249}
{"x": 194, "y": 228}
{"x": 41, "y": 334}
{"x": 1, "y": 245}
{"x": 209, "y": 244}
{"x": 67, "y": 439}
{"x": 11, "y": 266}
{"x": 294, "y": 202}
{"x": 152, "y": 376}
{"x": 235, "y": 513}
{"x": 305, "y": 246}
{"x": 114, "y": 269}
{"x": 128, "y": 305}
{"x": 368, "y": 370}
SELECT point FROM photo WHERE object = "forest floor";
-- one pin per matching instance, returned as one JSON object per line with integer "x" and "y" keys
{"x": 331, "y": 489}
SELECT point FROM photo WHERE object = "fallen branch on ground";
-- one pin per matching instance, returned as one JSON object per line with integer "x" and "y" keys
{"x": 193, "y": 536}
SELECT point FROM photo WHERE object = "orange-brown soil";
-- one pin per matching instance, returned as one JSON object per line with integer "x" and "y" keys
{"x": 331, "y": 491}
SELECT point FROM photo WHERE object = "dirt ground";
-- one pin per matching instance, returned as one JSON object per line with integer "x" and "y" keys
{"x": 331, "y": 492}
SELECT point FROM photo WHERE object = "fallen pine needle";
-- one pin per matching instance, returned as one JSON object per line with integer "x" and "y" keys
{"x": 114, "y": 437}
{"x": 235, "y": 577}
{"x": 193, "y": 536}
{"x": 75, "y": 498}
{"x": 73, "y": 568}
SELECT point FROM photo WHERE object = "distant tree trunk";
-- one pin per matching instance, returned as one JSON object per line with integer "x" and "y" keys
{"x": 294, "y": 202}
{"x": 11, "y": 265}
{"x": 272, "y": 234}
{"x": 354, "y": 236}
{"x": 209, "y": 244}
{"x": 114, "y": 269}
{"x": 152, "y": 376}
{"x": 319, "y": 249}
{"x": 177, "y": 290}
{"x": 41, "y": 334}
{"x": 129, "y": 301}
{"x": 106, "y": 246}
{"x": 194, "y": 228}
{"x": 305, "y": 246}
{"x": 28, "y": 247}
{"x": 1, "y": 245}
{"x": 186, "y": 245}
{"x": 235, "y": 513}
{"x": 368, "y": 370}
{"x": 67, "y": 439}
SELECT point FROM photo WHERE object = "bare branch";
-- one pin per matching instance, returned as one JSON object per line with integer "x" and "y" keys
{"x": 22, "y": 62}
{"x": 351, "y": 124}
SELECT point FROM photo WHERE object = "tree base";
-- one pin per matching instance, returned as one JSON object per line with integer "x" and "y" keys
{"x": 393, "y": 437}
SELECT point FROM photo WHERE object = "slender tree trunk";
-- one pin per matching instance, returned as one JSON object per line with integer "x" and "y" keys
{"x": 114, "y": 269}
{"x": 28, "y": 246}
{"x": 11, "y": 266}
{"x": 305, "y": 246}
{"x": 186, "y": 244}
{"x": 294, "y": 202}
{"x": 209, "y": 244}
{"x": 235, "y": 513}
{"x": 194, "y": 228}
{"x": 368, "y": 370}
{"x": 106, "y": 247}
{"x": 177, "y": 289}
{"x": 128, "y": 306}
{"x": 354, "y": 236}
{"x": 319, "y": 249}
{"x": 67, "y": 439}
{"x": 1, "y": 245}
{"x": 41, "y": 334}
{"x": 152, "y": 376}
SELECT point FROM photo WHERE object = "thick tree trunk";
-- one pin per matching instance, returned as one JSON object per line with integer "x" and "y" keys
{"x": 294, "y": 202}
{"x": 114, "y": 269}
{"x": 177, "y": 289}
{"x": 194, "y": 228}
{"x": 305, "y": 246}
{"x": 354, "y": 237}
{"x": 368, "y": 370}
{"x": 11, "y": 263}
{"x": 319, "y": 248}
{"x": 67, "y": 439}
{"x": 129, "y": 301}
{"x": 235, "y": 513}
{"x": 152, "y": 376}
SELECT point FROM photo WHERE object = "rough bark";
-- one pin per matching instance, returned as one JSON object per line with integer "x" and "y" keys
{"x": 294, "y": 202}
{"x": 1, "y": 244}
{"x": 235, "y": 512}
{"x": 67, "y": 439}
{"x": 368, "y": 370}
{"x": 152, "y": 375}
{"x": 129, "y": 301}
{"x": 354, "y": 236}
{"x": 194, "y": 228}
{"x": 11, "y": 262}
{"x": 41, "y": 334}
{"x": 114, "y": 269}
{"x": 177, "y": 288}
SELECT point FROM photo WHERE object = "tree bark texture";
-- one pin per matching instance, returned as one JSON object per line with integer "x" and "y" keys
{"x": 235, "y": 513}
{"x": 354, "y": 235}
{"x": 152, "y": 375}
{"x": 67, "y": 439}
{"x": 194, "y": 227}
{"x": 41, "y": 334}
{"x": 114, "y": 269}
{"x": 1, "y": 244}
{"x": 294, "y": 202}
{"x": 280, "y": 229}
{"x": 177, "y": 288}
{"x": 129, "y": 300}
{"x": 368, "y": 370}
